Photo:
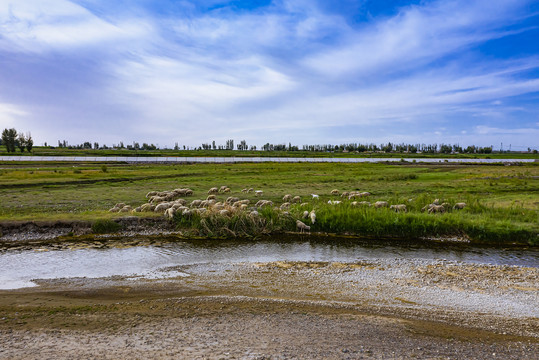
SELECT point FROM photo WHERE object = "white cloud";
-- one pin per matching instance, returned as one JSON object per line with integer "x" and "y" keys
{"x": 43, "y": 25}
{"x": 11, "y": 115}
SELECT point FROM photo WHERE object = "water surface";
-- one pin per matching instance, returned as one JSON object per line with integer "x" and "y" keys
{"x": 19, "y": 267}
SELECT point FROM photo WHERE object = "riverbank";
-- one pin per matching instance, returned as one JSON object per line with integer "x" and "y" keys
{"x": 279, "y": 310}
{"x": 501, "y": 207}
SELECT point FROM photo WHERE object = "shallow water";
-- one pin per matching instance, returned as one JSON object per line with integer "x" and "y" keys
{"x": 19, "y": 267}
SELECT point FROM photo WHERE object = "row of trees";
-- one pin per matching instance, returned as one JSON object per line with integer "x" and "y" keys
{"x": 12, "y": 140}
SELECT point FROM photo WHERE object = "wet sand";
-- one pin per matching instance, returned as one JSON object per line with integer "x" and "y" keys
{"x": 386, "y": 309}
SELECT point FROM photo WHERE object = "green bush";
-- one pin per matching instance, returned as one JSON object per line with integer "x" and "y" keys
{"x": 105, "y": 226}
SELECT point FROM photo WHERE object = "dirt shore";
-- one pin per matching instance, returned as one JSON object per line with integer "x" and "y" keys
{"x": 384, "y": 309}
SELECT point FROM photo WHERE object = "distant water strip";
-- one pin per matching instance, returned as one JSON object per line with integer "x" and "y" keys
{"x": 237, "y": 159}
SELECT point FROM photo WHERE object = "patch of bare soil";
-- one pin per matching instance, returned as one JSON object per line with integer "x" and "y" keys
{"x": 281, "y": 310}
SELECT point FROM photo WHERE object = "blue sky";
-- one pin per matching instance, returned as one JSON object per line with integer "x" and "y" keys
{"x": 300, "y": 71}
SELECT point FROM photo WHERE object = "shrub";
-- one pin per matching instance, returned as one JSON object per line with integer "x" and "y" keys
{"x": 105, "y": 226}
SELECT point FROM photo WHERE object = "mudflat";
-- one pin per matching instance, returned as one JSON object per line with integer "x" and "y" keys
{"x": 281, "y": 310}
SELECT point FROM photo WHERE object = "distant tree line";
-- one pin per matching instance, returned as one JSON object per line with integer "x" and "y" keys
{"x": 12, "y": 140}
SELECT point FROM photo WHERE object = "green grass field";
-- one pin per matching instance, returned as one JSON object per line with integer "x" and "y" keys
{"x": 503, "y": 201}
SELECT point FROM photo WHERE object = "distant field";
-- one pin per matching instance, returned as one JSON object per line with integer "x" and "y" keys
{"x": 46, "y": 151}
{"x": 503, "y": 200}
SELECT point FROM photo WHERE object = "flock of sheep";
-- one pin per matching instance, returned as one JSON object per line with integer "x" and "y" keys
{"x": 172, "y": 203}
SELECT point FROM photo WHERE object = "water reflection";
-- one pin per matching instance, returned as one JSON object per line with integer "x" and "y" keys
{"x": 19, "y": 267}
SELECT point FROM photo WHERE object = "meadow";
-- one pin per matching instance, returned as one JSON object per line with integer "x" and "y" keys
{"x": 502, "y": 201}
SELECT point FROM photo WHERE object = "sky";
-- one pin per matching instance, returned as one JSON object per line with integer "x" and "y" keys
{"x": 277, "y": 71}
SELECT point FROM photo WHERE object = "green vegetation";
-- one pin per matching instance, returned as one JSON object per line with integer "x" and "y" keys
{"x": 104, "y": 226}
{"x": 502, "y": 201}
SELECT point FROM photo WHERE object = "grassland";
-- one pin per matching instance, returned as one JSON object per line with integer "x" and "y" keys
{"x": 503, "y": 201}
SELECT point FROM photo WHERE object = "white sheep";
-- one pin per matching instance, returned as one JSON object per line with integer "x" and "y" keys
{"x": 259, "y": 192}
{"x": 436, "y": 209}
{"x": 312, "y": 215}
{"x": 334, "y": 202}
{"x": 287, "y": 198}
{"x": 380, "y": 204}
{"x": 398, "y": 208}
{"x": 213, "y": 190}
{"x": 301, "y": 226}
{"x": 296, "y": 199}
{"x": 169, "y": 213}
{"x": 459, "y": 206}
{"x": 335, "y": 192}
{"x": 315, "y": 196}
{"x": 305, "y": 214}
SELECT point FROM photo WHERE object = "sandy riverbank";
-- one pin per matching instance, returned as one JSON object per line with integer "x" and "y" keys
{"x": 281, "y": 310}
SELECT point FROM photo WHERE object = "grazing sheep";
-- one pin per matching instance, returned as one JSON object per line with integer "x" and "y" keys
{"x": 218, "y": 207}
{"x": 200, "y": 211}
{"x": 315, "y": 196}
{"x": 436, "y": 202}
{"x": 398, "y": 208}
{"x": 305, "y": 214}
{"x": 211, "y": 197}
{"x": 262, "y": 203}
{"x": 446, "y": 206}
{"x": 259, "y": 192}
{"x": 364, "y": 203}
{"x": 226, "y": 190}
{"x": 243, "y": 190}
{"x": 364, "y": 193}
{"x": 312, "y": 215}
{"x": 335, "y": 192}
{"x": 223, "y": 188}
{"x": 301, "y": 226}
{"x": 287, "y": 198}
{"x": 250, "y": 190}
{"x": 169, "y": 213}
{"x": 196, "y": 203}
{"x": 380, "y": 204}
{"x": 334, "y": 202}
{"x": 224, "y": 212}
{"x": 354, "y": 203}
{"x": 150, "y": 194}
{"x": 296, "y": 199}
{"x": 186, "y": 213}
{"x": 244, "y": 206}
{"x": 285, "y": 206}
{"x": 254, "y": 214}
{"x": 162, "y": 207}
{"x": 231, "y": 200}
{"x": 436, "y": 209}
{"x": 157, "y": 199}
{"x": 147, "y": 207}
{"x": 126, "y": 208}
{"x": 213, "y": 190}
{"x": 137, "y": 209}
{"x": 459, "y": 206}
{"x": 114, "y": 209}
{"x": 345, "y": 194}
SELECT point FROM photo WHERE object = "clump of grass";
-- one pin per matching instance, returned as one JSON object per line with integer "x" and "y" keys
{"x": 104, "y": 226}
{"x": 241, "y": 224}
{"x": 104, "y": 168}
